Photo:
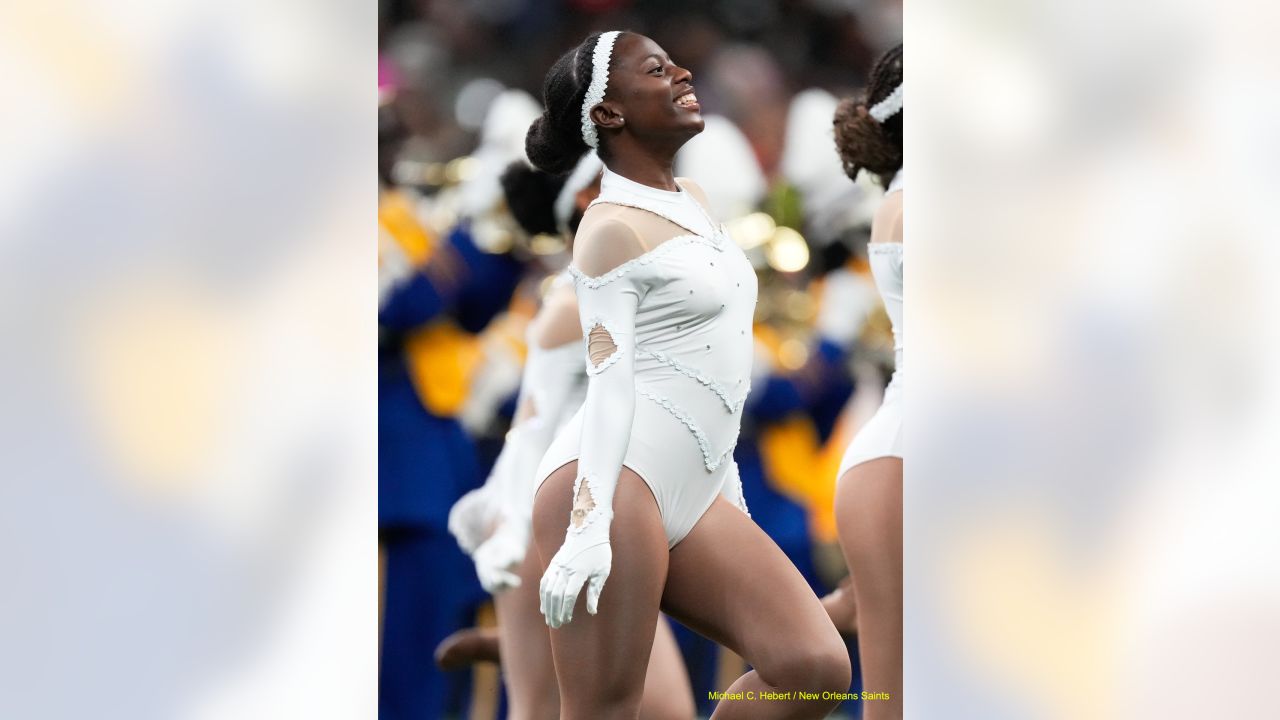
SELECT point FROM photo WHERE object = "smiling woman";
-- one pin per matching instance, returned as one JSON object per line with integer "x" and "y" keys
{"x": 644, "y": 472}
{"x": 650, "y": 102}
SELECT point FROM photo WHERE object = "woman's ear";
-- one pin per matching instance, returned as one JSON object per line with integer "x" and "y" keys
{"x": 606, "y": 115}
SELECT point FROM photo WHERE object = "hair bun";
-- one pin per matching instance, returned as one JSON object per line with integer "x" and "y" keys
{"x": 531, "y": 196}
{"x": 551, "y": 151}
{"x": 864, "y": 143}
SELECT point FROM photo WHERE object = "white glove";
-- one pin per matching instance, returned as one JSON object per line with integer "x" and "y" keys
{"x": 497, "y": 558}
{"x": 585, "y": 558}
{"x": 607, "y": 305}
{"x": 470, "y": 519}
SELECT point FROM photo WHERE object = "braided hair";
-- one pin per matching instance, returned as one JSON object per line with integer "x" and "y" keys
{"x": 863, "y": 143}
{"x": 554, "y": 142}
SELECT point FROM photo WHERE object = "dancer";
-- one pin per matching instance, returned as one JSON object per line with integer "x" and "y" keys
{"x": 869, "y": 489}
{"x": 492, "y": 523}
{"x": 436, "y": 294}
{"x": 644, "y": 472}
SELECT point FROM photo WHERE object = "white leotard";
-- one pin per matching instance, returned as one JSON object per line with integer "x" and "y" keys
{"x": 680, "y": 316}
{"x": 881, "y": 436}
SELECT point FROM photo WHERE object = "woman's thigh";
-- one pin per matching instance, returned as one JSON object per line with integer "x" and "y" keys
{"x": 667, "y": 693}
{"x": 526, "y": 647}
{"x": 869, "y": 523}
{"x": 730, "y": 582}
{"x": 601, "y": 659}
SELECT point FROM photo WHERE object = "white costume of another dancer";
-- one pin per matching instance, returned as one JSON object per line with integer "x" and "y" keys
{"x": 881, "y": 436}
{"x": 492, "y": 523}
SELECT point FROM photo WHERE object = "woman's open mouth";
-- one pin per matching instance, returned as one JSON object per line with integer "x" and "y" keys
{"x": 688, "y": 101}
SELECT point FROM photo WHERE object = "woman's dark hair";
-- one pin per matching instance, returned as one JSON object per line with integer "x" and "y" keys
{"x": 862, "y": 142}
{"x": 554, "y": 142}
{"x": 531, "y": 197}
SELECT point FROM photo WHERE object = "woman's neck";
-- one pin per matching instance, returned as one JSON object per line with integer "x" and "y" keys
{"x": 655, "y": 170}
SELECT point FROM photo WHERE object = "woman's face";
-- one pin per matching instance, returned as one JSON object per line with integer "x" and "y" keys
{"x": 653, "y": 95}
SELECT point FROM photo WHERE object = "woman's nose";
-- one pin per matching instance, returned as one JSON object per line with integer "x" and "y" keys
{"x": 682, "y": 75}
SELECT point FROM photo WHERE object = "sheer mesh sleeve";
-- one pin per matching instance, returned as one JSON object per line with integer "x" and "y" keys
{"x": 605, "y": 244}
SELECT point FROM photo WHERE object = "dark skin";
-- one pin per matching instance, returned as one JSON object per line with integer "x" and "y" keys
{"x": 639, "y": 123}
{"x": 726, "y": 579}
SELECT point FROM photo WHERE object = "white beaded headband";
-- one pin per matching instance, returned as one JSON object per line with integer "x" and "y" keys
{"x": 888, "y": 107}
{"x": 599, "y": 80}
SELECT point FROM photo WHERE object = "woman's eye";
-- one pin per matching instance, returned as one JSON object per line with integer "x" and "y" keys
{"x": 656, "y": 70}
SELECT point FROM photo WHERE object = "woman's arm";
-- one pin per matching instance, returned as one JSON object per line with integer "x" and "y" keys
{"x": 550, "y": 378}
{"x": 609, "y": 294}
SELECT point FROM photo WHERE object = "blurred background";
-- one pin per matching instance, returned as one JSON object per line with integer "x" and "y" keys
{"x": 459, "y": 84}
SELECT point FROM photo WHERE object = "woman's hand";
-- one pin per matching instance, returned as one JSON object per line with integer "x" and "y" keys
{"x": 585, "y": 558}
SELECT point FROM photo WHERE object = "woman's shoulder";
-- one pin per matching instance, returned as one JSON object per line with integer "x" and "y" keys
{"x": 603, "y": 242}
{"x": 557, "y": 320}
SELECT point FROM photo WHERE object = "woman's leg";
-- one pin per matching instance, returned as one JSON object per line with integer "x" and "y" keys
{"x": 667, "y": 693}
{"x": 869, "y": 522}
{"x": 601, "y": 659}
{"x": 842, "y": 608}
{"x": 527, "y": 667}
{"x": 529, "y": 672}
{"x": 730, "y": 582}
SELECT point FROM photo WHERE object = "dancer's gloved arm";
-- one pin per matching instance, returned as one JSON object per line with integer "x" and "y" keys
{"x": 553, "y": 379}
{"x": 549, "y": 382}
{"x": 607, "y": 305}
{"x": 504, "y": 547}
{"x": 476, "y": 516}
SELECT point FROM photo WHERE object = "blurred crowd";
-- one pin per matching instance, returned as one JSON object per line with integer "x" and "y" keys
{"x": 460, "y": 277}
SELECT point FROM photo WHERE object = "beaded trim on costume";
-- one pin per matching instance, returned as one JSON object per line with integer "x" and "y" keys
{"x": 592, "y": 283}
{"x": 742, "y": 499}
{"x": 703, "y": 443}
{"x": 732, "y": 406}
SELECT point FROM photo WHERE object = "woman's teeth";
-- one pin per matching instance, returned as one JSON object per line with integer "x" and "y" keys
{"x": 687, "y": 100}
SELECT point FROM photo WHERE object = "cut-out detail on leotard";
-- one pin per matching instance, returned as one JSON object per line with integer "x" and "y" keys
{"x": 600, "y": 345}
{"x": 583, "y": 504}
{"x": 711, "y": 463}
{"x": 602, "y": 350}
{"x": 585, "y": 509}
{"x": 732, "y": 406}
